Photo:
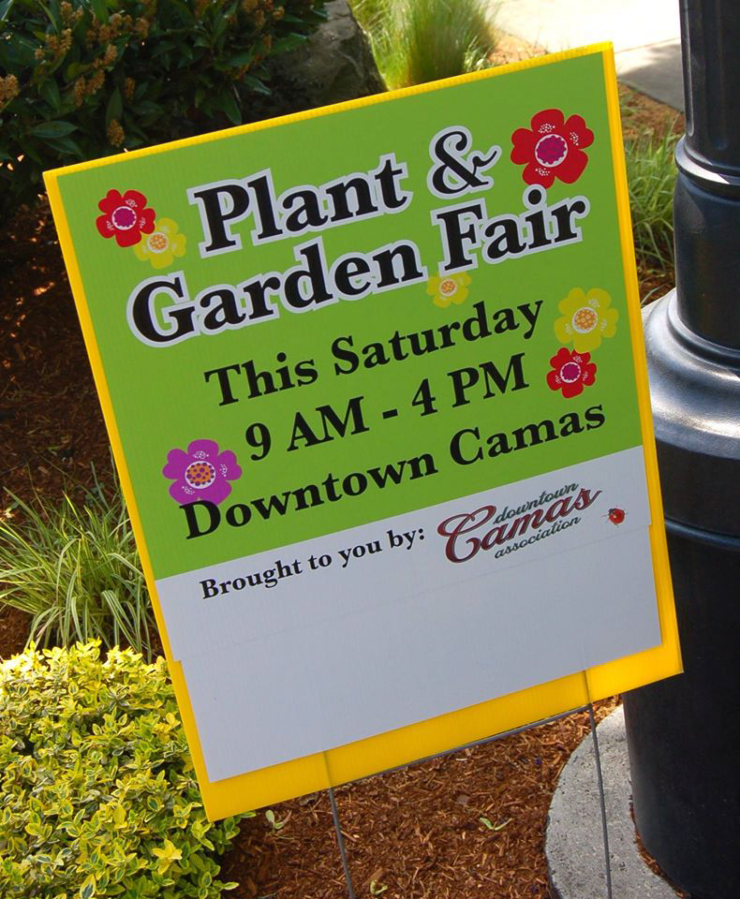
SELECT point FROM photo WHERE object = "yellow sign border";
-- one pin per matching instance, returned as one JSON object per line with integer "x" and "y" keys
{"x": 415, "y": 741}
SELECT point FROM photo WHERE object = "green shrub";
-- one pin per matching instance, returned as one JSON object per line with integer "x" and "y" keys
{"x": 415, "y": 41}
{"x": 651, "y": 176}
{"x": 97, "y": 793}
{"x": 75, "y": 569}
{"x": 85, "y": 78}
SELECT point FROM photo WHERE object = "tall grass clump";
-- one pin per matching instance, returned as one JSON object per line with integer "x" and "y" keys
{"x": 651, "y": 175}
{"x": 415, "y": 41}
{"x": 73, "y": 566}
{"x": 371, "y": 13}
{"x": 377, "y": 18}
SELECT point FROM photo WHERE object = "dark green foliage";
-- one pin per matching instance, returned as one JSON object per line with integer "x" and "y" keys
{"x": 85, "y": 78}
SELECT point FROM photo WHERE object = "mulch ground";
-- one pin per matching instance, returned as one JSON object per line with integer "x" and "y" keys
{"x": 467, "y": 825}
{"x": 470, "y": 824}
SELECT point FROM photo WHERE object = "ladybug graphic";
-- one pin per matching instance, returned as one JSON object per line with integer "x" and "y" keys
{"x": 616, "y": 516}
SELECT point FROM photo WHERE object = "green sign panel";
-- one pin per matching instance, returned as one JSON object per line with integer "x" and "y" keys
{"x": 306, "y": 331}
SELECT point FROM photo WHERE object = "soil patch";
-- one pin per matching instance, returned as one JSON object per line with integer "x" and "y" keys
{"x": 642, "y": 116}
{"x": 512, "y": 49}
{"x": 51, "y": 426}
{"x": 14, "y": 628}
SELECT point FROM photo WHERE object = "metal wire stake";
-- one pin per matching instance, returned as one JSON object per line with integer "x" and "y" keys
{"x": 600, "y": 781}
{"x": 340, "y": 843}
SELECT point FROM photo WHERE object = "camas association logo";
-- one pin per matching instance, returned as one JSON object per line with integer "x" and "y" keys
{"x": 511, "y": 529}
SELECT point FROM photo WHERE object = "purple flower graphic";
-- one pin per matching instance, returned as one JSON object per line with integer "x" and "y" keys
{"x": 201, "y": 473}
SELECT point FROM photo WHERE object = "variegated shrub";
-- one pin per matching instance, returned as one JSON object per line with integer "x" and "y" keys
{"x": 97, "y": 792}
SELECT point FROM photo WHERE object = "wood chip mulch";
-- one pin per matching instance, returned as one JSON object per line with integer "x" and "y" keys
{"x": 51, "y": 427}
{"x": 466, "y": 825}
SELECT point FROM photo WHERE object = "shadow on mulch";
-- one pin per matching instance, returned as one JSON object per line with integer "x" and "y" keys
{"x": 51, "y": 426}
{"x": 14, "y": 628}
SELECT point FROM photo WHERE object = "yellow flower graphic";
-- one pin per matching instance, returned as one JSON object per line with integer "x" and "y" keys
{"x": 448, "y": 289}
{"x": 162, "y": 245}
{"x": 586, "y": 319}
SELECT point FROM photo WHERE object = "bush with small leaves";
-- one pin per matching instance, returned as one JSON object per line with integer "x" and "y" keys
{"x": 97, "y": 793}
{"x": 85, "y": 78}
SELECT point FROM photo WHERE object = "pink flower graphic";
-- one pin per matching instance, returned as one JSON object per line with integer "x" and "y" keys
{"x": 571, "y": 372}
{"x": 552, "y": 148}
{"x": 125, "y": 217}
{"x": 201, "y": 473}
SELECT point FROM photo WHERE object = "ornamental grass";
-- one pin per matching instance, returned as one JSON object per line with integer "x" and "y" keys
{"x": 73, "y": 566}
{"x": 416, "y": 41}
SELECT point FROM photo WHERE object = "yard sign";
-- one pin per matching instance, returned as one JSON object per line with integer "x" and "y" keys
{"x": 375, "y": 383}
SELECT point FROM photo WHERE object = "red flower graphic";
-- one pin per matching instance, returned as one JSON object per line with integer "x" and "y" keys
{"x": 553, "y": 148}
{"x": 571, "y": 372}
{"x": 125, "y": 217}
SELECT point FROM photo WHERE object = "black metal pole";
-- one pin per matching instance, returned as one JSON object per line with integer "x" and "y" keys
{"x": 708, "y": 189}
{"x": 683, "y": 734}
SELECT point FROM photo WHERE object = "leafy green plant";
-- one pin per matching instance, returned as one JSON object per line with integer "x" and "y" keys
{"x": 75, "y": 569}
{"x": 274, "y": 823}
{"x": 651, "y": 175}
{"x": 489, "y": 825}
{"x": 85, "y": 78}
{"x": 415, "y": 41}
{"x": 97, "y": 793}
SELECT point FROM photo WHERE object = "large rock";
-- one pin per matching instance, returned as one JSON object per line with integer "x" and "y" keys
{"x": 335, "y": 64}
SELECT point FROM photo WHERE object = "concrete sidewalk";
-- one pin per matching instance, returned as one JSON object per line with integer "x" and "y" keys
{"x": 645, "y": 34}
{"x": 574, "y": 846}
